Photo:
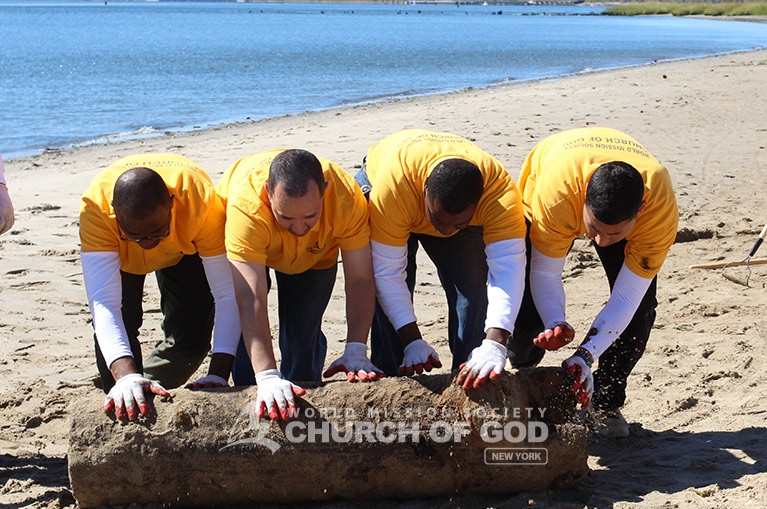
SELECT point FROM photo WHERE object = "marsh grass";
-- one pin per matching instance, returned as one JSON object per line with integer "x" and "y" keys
{"x": 689, "y": 9}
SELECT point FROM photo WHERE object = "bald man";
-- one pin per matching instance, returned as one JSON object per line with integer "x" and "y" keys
{"x": 157, "y": 213}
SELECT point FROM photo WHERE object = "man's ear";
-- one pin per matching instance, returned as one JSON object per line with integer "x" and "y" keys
{"x": 641, "y": 207}
{"x": 266, "y": 188}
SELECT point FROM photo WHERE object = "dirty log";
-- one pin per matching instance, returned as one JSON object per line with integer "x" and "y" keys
{"x": 395, "y": 438}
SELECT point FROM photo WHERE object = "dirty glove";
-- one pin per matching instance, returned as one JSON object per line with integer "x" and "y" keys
{"x": 419, "y": 357}
{"x": 128, "y": 393}
{"x": 208, "y": 382}
{"x": 354, "y": 362}
{"x": 556, "y": 338}
{"x": 583, "y": 386}
{"x": 488, "y": 359}
{"x": 276, "y": 396}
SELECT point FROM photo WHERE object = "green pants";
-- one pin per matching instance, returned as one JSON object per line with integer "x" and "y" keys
{"x": 187, "y": 308}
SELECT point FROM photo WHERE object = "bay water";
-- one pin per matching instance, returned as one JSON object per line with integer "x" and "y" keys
{"x": 93, "y": 71}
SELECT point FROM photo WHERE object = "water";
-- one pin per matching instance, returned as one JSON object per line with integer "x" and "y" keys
{"x": 80, "y": 72}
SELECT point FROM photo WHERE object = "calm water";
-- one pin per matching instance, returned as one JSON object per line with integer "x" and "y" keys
{"x": 79, "y": 72}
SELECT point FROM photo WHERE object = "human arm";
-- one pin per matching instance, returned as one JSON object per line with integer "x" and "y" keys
{"x": 389, "y": 266}
{"x": 275, "y": 395}
{"x": 360, "y": 305}
{"x": 226, "y": 327}
{"x": 505, "y": 285}
{"x": 6, "y": 205}
{"x": 627, "y": 293}
{"x": 103, "y": 287}
{"x": 549, "y": 297}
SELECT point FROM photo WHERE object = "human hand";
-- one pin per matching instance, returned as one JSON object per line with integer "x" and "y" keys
{"x": 354, "y": 362}
{"x": 419, "y": 357}
{"x": 487, "y": 360}
{"x": 128, "y": 392}
{"x": 276, "y": 396}
{"x": 583, "y": 386}
{"x": 556, "y": 338}
{"x": 207, "y": 382}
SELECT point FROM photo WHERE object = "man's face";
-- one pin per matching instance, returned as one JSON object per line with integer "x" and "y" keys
{"x": 147, "y": 232}
{"x": 298, "y": 215}
{"x": 445, "y": 223}
{"x": 605, "y": 234}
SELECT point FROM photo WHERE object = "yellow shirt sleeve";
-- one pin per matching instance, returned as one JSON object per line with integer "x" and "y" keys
{"x": 397, "y": 168}
{"x": 553, "y": 183}
{"x": 254, "y": 236}
{"x": 197, "y": 217}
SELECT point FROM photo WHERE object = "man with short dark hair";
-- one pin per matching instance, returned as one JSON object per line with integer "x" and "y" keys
{"x": 602, "y": 183}
{"x": 156, "y": 213}
{"x": 293, "y": 212}
{"x": 458, "y": 202}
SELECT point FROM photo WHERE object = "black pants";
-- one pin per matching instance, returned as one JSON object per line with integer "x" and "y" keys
{"x": 616, "y": 364}
{"x": 188, "y": 310}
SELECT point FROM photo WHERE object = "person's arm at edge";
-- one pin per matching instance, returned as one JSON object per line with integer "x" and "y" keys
{"x": 6, "y": 205}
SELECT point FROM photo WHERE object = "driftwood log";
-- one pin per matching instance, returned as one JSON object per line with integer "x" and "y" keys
{"x": 395, "y": 438}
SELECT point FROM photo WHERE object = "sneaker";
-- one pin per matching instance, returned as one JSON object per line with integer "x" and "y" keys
{"x": 611, "y": 424}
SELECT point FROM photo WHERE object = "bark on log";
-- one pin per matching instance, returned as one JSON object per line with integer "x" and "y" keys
{"x": 395, "y": 438}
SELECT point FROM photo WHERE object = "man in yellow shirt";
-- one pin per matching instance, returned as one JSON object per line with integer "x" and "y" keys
{"x": 602, "y": 183}
{"x": 460, "y": 204}
{"x": 156, "y": 213}
{"x": 290, "y": 211}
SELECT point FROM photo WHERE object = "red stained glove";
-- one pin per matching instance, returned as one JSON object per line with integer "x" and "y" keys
{"x": 487, "y": 360}
{"x": 419, "y": 357}
{"x": 583, "y": 386}
{"x": 276, "y": 396}
{"x": 127, "y": 399}
{"x": 354, "y": 362}
{"x": 207, "y": 382}
{"x": 556, "y": 338}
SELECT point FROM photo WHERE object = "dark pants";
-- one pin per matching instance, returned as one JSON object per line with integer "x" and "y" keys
{"x": 302, "y": 300}
{"x": 188, "y": 310}
{"x": 618, "y": 361}
{"x": 462, "y": 269}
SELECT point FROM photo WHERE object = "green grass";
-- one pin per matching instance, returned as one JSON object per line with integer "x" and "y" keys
{"x": 689, "y": 9}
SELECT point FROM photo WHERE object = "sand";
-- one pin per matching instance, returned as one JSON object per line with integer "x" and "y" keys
{"x": 696, "y": 400}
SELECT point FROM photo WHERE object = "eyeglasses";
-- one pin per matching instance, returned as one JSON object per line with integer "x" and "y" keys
{"x": 147, "y": 238}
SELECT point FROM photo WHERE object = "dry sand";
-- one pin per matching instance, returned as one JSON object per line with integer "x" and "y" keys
{"x": 696, "y": 403}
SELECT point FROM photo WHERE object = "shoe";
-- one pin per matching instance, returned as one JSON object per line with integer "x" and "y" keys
{"x": 611, "y": 424}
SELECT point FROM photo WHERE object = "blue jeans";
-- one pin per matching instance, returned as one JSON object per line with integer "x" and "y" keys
{"x": 302, "y": 300}
{"x": 462, "y": 269}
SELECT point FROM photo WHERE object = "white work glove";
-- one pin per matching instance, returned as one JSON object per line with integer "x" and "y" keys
{"x": 556, "y": 337}
{"x": 208, "y": 382}
{"x": 583, "y": 386}
{"x": 487, "y": 360}
{"x": 128, "y": 393}
{"x": 419, "y": 357}
{"x": 354, "y": 362}
{"x": 276, "y": 396}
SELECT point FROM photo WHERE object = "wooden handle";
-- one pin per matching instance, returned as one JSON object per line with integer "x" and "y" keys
{"x": 719, "y": 265}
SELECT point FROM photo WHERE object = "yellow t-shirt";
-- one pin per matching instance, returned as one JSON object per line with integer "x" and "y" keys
{"x": 197, "y": 217}
{"x": 254, "y": 236}
{"x": 397, "y": 168}
{"x": 553, "y": 183}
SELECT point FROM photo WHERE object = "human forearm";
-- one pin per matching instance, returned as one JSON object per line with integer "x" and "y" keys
{"x": 627, "y": 294}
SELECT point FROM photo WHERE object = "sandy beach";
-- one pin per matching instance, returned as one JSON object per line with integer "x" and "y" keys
{"x": 697, "y": 401}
